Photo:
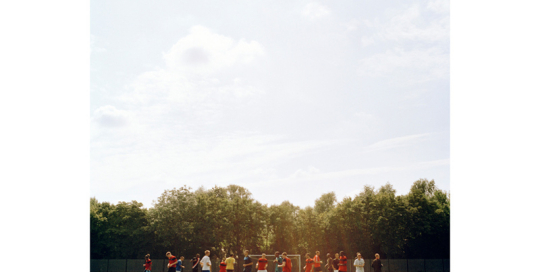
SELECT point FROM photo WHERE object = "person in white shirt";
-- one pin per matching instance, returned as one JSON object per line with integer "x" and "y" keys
{"x": 205, "y": 261}
{"x": 359, "y": 262}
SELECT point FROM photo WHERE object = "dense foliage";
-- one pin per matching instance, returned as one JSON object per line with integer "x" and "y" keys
{"x": 185, "y": 222}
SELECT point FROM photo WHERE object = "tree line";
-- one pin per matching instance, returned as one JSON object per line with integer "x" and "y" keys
{"x": 228, "y": 220}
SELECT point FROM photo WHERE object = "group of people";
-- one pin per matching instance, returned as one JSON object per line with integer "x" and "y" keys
{"x": 283, "y": 263}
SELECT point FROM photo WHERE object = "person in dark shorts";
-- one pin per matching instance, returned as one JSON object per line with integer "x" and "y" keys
{"x": 195, "y": 263}
{"x": 287, "y": 263}
{"x": 147, "y": 263}
{"x": 342, "y": 262}
{"x": 376, "y": 264}
{"x": 172, "y": 262}
{"x": 248, "y": 263}
{"x": 206, "y": 262}
{"x": 278, "y": 262}
{"x": 230, "y": 263}
{"x": 335, "y": 263}
{"x": 309, "y": 263}
{"x": 317, "y": 262}
{"x": 329, "y": 263}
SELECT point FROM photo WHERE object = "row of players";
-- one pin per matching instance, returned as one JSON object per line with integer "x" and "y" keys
{"x": 283, "y": 263}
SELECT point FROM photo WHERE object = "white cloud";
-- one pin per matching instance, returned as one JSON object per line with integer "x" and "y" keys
{"x": 397, "y": 142}
{"x": 440, "y": 6}
{"x": 155, "y": 157}
{"x": 203, "y": 51}
{"x": 109, "y": 116}
{"x": 93, "y": 47}
{"x": 173, "y": 112}
{"x": 363, "y": 115}
{"x": 409, "y": 25}
{"x": 351, "y": 25}
{"x": 239, "y": 89}
{"x": 192, "y": 83}
{"x": 315, "y": 11}
{"x": 310, "y": 171}
{"x": 313, "y": 174}
{"x": 416, "y": 65}
{"x": 412, "y": 24}
{"x": 428, "y": 60}
{"x": 366, "y": 41}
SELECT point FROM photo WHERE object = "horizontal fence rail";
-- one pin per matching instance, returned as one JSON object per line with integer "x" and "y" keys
{"x": 160, "y": 265}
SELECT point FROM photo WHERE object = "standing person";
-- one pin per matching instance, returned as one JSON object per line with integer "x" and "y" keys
{"x": 342, "y": 262}
{"x": 223, "y": 265}
{"x": 172, "y": 262}
{"x": 359, "y": 262}
{"x": 205, "y": 261}
{"x": 309, "y": 263}
{"x": 262, "y": 263}
{"x": 335, "y": 263}
{"x": 195, "y": 262}
{"x": 248, "y": 263}
{"x": 317, "y": 262}
{"x": 329, "y": 262}
{"x": 179, "y": 266}
{"x": 278, "y": 262}
{"x": 147, "y": 263}
{"x": 377, "y": 264}
{"x": 230, "y": 263}
{"x": 287, "y": 263}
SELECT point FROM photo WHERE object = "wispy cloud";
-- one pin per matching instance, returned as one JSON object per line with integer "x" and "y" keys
{"x": 93, "y": 47}
{"x": 315, "y": 11}
{"x": 203, "y": 51}
{"x": 169, "y": 118}
{"x": 109, "y": 116}
{"x": 312, "y": 173}
{"x": 410, "y": 24}
{"x": 416, "y": 65}
{"x": 397, "y": 142}
{"x": 440, "y": 6}
{"x": 219, "y": 160}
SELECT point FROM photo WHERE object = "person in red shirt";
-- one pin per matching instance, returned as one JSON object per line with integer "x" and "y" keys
{"x": 309, "y": 263}
{"x": 148, "y": 263}
{"x": 262, "y": 263}
{"x": 317, "y": 262}
{"x": 172, "y": 262}
{"x": 287, "y": 264}
{"x": 223, "y": 266}
{"x": 342, "y": 266}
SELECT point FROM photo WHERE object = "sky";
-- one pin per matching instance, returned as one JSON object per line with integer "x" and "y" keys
{"x": 290, "y": 99}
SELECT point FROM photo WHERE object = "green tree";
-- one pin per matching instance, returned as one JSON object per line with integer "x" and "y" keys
{"x": 228, "y": 220}
{"x": 173, "y": 220}
{"x": 119, "y": 231}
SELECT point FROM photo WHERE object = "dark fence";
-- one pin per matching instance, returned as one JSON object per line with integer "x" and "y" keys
{"x": 160, "y": 265}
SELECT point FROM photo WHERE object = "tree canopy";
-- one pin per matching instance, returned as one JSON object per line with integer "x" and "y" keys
{"x": 228, "y": 220}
